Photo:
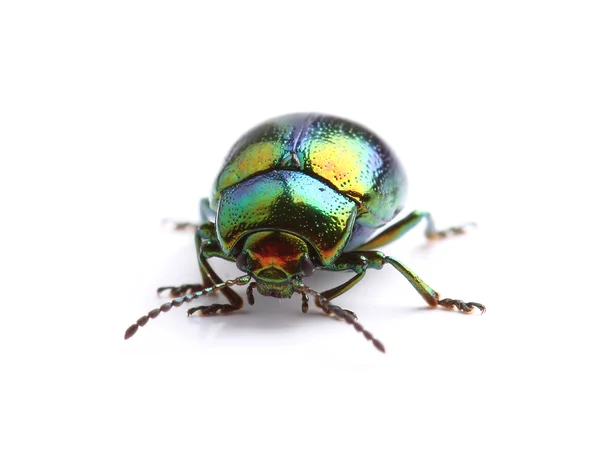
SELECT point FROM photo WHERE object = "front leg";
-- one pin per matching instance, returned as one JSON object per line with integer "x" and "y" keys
{"x": 347, "y": 261}
{"x": 166, "y": 307}
{"x": 376, "y": 260}
{"x": 235, "y": 301}
{"x": 353, "y": 261}
{"x": 208, "y": 249}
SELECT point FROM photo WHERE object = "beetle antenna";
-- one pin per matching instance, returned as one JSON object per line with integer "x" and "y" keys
{"x": 337, "y": 312}
{"x": 177, "y": 302}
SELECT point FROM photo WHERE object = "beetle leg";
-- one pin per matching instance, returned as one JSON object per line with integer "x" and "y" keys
{"x": 235, "y": 301}
{"x": 204, "y": 235}
{"x": 177, "y": 291}
{"x": 166, "y": 307}
{"x": 211, "y": 310}
{"x": 180, "y": 226}
{"x": 347, "y": 261}
{"x": 207, "y": 215}
{"x": 461, "y": 306}
{"x": 377, "y": 260}
{"x": 402, "y": 227}
{"x": 339, "y": 290}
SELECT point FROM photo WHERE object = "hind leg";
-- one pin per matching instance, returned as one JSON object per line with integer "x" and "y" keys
{"x": 206, "y": 215}
{"x": 204, "y": 231}
{"x": 399, "y": 229}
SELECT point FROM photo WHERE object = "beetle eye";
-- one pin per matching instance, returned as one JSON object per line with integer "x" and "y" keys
{"x": 307, "y": 267}
{"x": 242, "y": 261}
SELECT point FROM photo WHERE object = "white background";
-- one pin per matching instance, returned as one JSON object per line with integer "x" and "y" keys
{"x": 114, "y": 115}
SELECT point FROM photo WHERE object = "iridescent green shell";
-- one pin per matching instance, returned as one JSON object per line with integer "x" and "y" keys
{"x": 325, "y": 179}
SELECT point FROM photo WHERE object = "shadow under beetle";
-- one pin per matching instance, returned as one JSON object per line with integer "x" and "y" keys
{"x": 298, "y": 193}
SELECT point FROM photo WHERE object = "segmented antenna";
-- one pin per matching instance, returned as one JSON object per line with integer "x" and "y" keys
{"x": 177, "y": 302}
{"x": 336, "y": 311}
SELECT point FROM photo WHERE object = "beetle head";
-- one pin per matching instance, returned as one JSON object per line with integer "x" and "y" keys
{"x": 276, "y": 260}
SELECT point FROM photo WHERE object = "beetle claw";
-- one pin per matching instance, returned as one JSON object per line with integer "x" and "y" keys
{"x": 211, "y": 310}
{"x": 459, "y": 305}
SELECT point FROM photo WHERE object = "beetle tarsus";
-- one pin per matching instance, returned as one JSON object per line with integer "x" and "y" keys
{"x": 434, "y": 235}
{"x": 466, "y": 307}
{"x": 400, "y": 228}
{"x": 180, "y": 226}
{"x": 212, "y": 310}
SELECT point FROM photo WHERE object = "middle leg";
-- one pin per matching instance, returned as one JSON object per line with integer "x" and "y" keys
{"x": 204, "y": 233}
{"x": 399, "y": 229}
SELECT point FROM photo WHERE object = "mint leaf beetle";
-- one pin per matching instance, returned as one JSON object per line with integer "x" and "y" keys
{"x": 298, "y": 193}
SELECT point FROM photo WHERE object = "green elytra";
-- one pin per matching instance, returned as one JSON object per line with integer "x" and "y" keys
{"x": 300, "y": 192}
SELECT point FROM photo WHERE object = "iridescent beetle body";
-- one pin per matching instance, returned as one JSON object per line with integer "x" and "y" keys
{"x": 296, "y": 193}
{"x": 349, "y": 179}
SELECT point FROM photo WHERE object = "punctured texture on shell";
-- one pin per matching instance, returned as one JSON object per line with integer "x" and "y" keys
{"x": 291, "y": 201}
{"x": 344, "y": 156}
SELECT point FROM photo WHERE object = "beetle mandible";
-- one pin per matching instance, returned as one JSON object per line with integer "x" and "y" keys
{"x": 297, "y": 193}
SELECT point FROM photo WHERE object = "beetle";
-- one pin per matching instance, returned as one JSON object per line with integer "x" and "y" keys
{"x": 297, "y": 193}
